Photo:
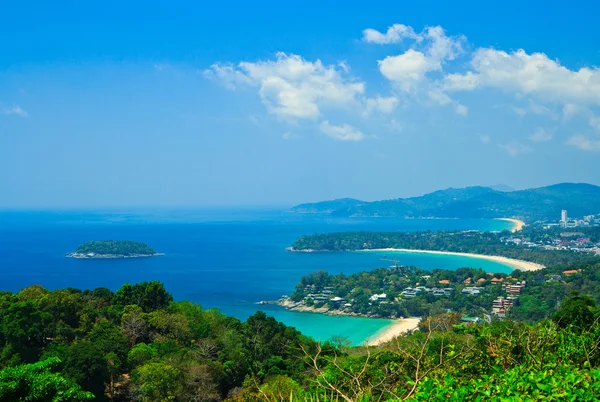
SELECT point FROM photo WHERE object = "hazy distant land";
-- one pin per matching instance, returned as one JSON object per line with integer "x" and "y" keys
{"x": 544, "y": 203}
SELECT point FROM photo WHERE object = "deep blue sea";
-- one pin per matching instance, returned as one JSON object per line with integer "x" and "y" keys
{"x": 221, "y": 258}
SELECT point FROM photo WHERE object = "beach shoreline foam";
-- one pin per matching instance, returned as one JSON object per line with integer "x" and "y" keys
{"x": 401, "y": 326}
{"x": 517, "y": 264}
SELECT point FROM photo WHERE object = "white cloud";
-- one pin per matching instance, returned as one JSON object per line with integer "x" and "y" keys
{"x": 396, "y": 33}
{"x": 290, "y": 86}
{"x": 515, "y": 148}
{"x": 407, "y": 69}
{"x": 345, "y": 132}
{"x": 485, "y": 139}
{"x": 15, "y": 111}
{"x": 439, "y": 97}
{"x": 412, "y": 72}
{"x": 533, "y": 74}
{"x": 228, "y": 75}
{"x": 443, "y": 47}
{"x": 460, "y": 82}
{"x": 434, "y": 49}
{"x": 540, "y": 135}
{"x": 584, "y": 143}
{"x": 385, "y": 105}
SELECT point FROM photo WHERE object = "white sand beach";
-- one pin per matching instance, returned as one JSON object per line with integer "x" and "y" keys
{"x": 517, "y": 264}
{"x": 401, "y": 326}
{"x": 518, "y": 223}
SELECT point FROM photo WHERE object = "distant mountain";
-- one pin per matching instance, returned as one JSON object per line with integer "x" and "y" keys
{"x": 473, "y": 202}
{"x": 502, "y": 187}
{"x": 327, "y": 206}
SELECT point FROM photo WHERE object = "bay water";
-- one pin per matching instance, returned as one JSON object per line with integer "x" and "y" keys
{"x": 228, "y": 259}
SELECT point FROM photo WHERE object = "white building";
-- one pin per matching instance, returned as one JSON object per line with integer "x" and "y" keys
{"x": 563, "y": 218}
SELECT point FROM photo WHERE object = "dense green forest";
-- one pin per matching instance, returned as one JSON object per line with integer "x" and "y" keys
{"x": 487, "y": 243}
{"x": 115, "y": 247}
{"x": 137, "y": 344}
{"x": 544, "y": 203}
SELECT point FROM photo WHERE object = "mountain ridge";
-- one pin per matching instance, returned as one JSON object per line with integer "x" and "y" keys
{"x": 540, "y": 203}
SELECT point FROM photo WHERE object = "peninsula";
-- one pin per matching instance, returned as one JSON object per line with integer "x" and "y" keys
{"x": 113, "y": 249}
{"x": 530, "y": 249}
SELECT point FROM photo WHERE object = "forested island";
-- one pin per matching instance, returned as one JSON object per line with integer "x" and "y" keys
{"x": 137, "y": 344}
{"x": 113, "y": 249}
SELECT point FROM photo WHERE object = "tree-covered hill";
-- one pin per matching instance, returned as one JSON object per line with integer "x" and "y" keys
{"x": 115, "y": 247}
{"x": 544, "y": 203}
{"x": 139, "y": 345}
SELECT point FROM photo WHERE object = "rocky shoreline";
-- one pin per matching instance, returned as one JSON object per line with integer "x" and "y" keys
{"x": 288, "y": 304}
{"x": 110, "y": 256}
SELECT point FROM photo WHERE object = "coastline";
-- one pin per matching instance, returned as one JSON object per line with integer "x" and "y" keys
{"x": 401, "y": 326}
{"x": 517, "y": 264}
{"x": 82, "y": 256}
{"x": 396, "y": 326}
{"x": 519, "y": 224}
{"x": 299, "y": 307}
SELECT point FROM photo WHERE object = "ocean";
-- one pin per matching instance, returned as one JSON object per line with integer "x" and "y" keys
{"x": 228, "y": 259}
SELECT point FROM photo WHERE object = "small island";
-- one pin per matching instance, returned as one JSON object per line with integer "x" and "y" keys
{"x": 113, "y": 249}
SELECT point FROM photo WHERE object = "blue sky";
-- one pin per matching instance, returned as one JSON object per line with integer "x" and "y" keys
{"x": 181, "y": 103}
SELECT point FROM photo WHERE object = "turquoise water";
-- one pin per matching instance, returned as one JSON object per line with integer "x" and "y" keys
{"x": 226, "y": 259}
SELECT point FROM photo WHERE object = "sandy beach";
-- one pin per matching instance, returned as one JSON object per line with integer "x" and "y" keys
{"x": 518, "y": 224}
{"x": 517, "y": 264}
{"x": 401, "y": 326}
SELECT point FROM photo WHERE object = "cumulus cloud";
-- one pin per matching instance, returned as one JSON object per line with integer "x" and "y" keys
{"x": 425, "y": 70}
{"x": 290, "y": 86}
{"x": 540, "y": 135}
{"x": 531, "y": 74}
{"x": 385, "y": 105}
{"x": 15, "y": 111}
{"x": 584, "y": 143}
{"x": 407, "y": 69}
{"x": 412, "y": 72}
{"x": 345, "y": 132}
{"x": 460, "y": 82}
{"x": 396, "y": 33}
{"x": 432, "y": 49}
